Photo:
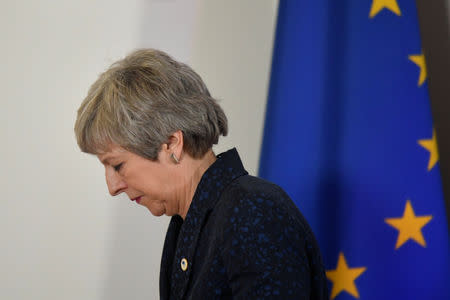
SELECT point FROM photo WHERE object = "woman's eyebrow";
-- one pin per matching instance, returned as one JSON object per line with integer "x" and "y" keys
{"x": 105, "y": 160}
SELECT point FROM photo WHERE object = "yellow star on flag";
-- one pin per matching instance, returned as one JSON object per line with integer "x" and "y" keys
{"x": 343, "y": 278}
{"x": 409, "y": 226}
{"x": 419, "y": 60}
{"x": 431, "y": 146}
{"x": 378, "y": 5}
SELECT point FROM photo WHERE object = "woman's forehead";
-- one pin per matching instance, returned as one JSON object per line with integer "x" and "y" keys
{"x": 111, "y": 151}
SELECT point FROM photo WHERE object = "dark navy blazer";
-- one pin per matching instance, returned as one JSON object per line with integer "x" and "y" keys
{"x": 243, "y": 238}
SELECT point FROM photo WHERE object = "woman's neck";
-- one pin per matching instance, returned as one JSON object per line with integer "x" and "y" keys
{"x": 194, "y": 168}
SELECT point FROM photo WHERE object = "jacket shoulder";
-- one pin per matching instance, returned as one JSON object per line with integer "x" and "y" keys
{"x": 254, "y": 194}
{"x": 263, "y": 233}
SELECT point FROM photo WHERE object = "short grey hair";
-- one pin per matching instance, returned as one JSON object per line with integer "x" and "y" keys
{"x": 141, "y": 100}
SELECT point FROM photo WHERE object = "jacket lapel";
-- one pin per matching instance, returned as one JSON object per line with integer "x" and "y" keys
{"x": 168, "y": 256}
{"x": 227, "y": 167}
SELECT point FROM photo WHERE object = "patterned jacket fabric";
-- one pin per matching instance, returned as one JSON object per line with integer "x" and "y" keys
{"x": 242, "y": 238}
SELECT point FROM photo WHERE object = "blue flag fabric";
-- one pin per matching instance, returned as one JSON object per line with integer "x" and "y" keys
{"x": 349, "y": 136}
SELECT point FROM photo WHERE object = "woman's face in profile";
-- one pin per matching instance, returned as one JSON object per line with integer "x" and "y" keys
{"x": 149, "y": 183}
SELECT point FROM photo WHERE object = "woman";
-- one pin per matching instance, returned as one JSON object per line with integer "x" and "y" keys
{"x": 152, "y": 123}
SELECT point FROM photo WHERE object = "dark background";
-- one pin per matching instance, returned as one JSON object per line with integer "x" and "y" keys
{"x": 434, "y": 27}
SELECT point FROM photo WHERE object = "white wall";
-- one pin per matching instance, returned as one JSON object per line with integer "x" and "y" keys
{"x": 63, "y": 236}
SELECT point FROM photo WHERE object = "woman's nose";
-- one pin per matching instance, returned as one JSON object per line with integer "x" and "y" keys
{"x": 115, "y": 183}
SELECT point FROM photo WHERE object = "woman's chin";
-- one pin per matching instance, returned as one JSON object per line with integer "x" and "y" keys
{"x": 157, "y": 211}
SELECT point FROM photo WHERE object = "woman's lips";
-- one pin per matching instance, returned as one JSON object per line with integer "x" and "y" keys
{"x": 138, "y": 199}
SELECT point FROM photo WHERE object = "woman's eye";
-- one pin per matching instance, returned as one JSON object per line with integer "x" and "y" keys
{"x": 117, "y": 167}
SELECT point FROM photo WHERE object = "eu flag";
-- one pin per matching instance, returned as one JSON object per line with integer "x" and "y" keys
{"x": 349, "y": 136}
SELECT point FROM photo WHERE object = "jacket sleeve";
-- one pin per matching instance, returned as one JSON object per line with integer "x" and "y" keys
{"x": 269, "y": 251}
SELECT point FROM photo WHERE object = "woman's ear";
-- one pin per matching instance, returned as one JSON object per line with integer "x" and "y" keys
{"x": 174, "y": 145}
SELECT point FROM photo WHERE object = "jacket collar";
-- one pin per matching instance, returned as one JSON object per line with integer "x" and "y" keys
{"x": 219, "y": 175}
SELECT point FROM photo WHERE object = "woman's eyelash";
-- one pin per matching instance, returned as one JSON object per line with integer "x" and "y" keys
{"x": 117, "y": 167}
